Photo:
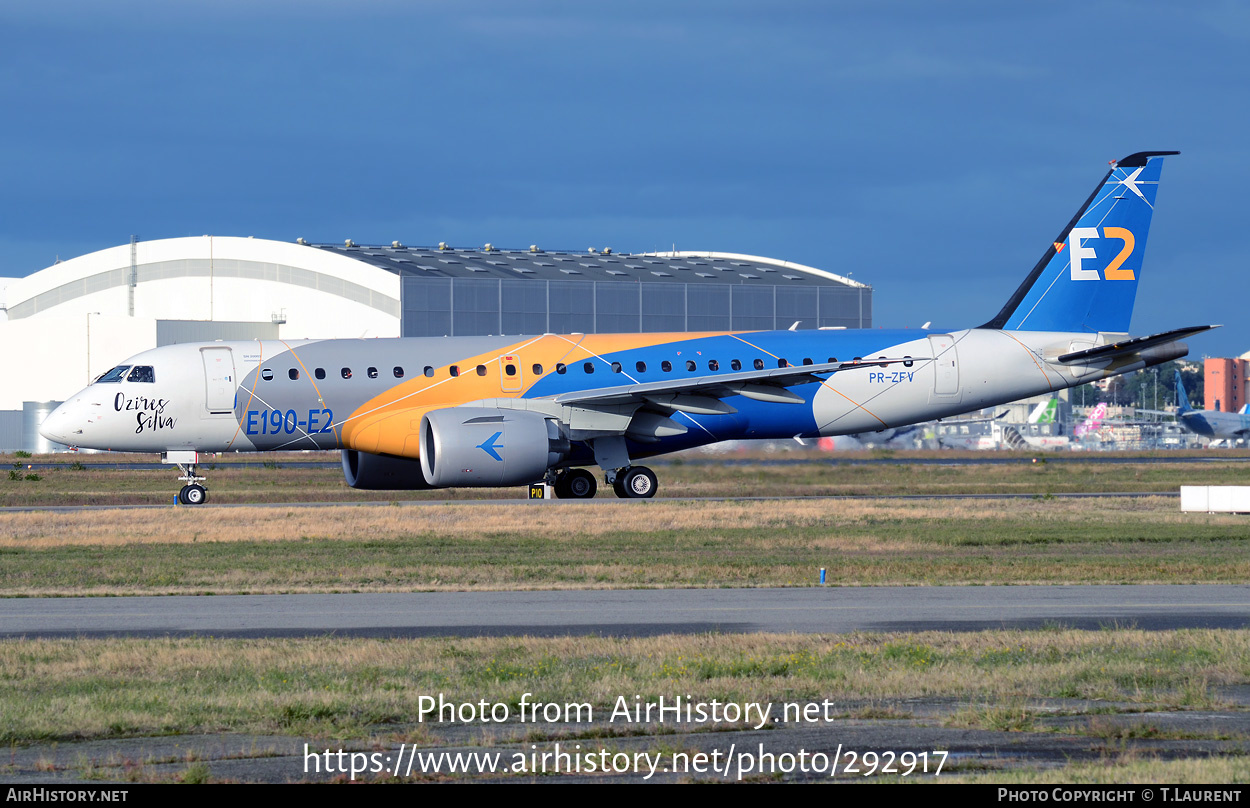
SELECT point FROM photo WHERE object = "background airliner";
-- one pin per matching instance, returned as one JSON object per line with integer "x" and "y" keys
{"x": 504, "y": 411}
{"x": 1229, "y": 426}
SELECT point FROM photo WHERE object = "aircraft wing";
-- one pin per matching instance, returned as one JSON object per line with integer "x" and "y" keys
{"x": 1133, "y": 345}
{"x": 701, "y": 394}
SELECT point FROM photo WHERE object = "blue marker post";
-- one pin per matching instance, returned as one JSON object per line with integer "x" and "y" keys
{"x": 822, "y": 576}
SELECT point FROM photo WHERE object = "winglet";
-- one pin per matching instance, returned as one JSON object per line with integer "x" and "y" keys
{"x": 1138, "y": 159}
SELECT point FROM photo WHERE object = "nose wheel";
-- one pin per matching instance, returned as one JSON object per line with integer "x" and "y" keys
{"x": 192, "y": 494}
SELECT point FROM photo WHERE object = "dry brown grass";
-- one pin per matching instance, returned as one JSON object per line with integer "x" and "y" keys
{"x": 112, "y": 528}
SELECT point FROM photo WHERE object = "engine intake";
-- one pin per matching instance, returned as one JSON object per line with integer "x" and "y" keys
{"x": 488, "y": 447}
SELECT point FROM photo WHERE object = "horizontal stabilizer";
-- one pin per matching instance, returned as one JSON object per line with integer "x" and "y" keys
{"x": 1130, "y": 346}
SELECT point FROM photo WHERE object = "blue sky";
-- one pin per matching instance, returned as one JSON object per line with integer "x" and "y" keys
{"x": 929, "y": 149}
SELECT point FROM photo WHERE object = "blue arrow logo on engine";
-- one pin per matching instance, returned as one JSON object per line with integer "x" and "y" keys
{"x": 489, "y": 446}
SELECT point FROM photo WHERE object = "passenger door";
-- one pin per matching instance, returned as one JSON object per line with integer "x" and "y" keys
{"x": 219, "y": 384}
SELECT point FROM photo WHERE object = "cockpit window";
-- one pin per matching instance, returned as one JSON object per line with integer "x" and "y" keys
{"x": 114, "y": 375}
{"x": 142, "y": 373}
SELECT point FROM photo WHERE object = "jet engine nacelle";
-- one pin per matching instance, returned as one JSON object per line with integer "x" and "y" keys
{"x": 378, "y": 473}
{"x": 486, "y": 447}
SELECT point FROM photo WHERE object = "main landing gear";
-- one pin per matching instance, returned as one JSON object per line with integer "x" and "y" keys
{"x": 627, "y": 480}
{"x": 576, "y": 484}
{"x": 192, "y": 493}
{"x": 634, "y": 482}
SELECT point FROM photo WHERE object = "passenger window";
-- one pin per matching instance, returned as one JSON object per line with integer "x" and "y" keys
{"x": 561, "y": 368}
{"x": 735, "y": 365}
{"x": 589, "y": 367}
{"x": 690, "y": 365}
{"x": 907, "y": 362}
{"x": 114, "y": 375}
{"x": 142, "y": 373}
{"x": 319, "y": 373}
{"x": 509, "y": 369}
{"x": 712, "y": 364}
{"x": 398, "y": 371}
{"x": 616, "y": 367}
{"x": 642, "y": 367}
{"x": 759, "y": 364}
{"x": 346, "y": 373}
{"x": 832, "y": 359}
{"x": 781, "y": 363}
{"x": 481, "y": 370}
{"x": 293, "y": 374}
{"x": 666, "y": 366}
{"x": 538, "y": 370}
{"x": 266, "y": 374}
{"x": 454, "y": 370}
{"x": 429, "y": 372}
{"x": 372, "y": 373}
{"x": 807, "y": 360}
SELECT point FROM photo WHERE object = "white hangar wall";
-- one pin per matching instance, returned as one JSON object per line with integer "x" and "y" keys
{"x": 319, "y": 294}
{"x": 65, "y": 325}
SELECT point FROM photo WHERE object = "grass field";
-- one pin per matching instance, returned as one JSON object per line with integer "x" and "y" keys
{"x": 289, "y": 478}
{"x": 59, "y": 690}
{"x": 1099, "y": 703}
{"x": 617, "y": 544}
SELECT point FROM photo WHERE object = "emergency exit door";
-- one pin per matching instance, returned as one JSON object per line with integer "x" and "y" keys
{"x": 945, "y": 365}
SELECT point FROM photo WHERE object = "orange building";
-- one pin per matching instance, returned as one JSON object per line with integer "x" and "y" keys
{"x": 1225, "y": 384}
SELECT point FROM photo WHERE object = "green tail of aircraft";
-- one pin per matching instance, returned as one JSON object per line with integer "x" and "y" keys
{"x": 1045, "y": 412}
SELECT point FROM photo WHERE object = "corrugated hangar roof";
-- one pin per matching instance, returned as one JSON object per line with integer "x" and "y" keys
{"x": 677, "y": 267}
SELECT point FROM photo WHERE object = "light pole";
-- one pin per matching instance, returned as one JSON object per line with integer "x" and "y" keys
{"x": 89, "y": 345}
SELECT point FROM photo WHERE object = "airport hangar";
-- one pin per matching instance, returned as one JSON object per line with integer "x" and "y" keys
{"x": 63, "y": 326}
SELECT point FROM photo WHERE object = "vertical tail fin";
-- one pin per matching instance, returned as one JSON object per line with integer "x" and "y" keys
{"x": 1182, "y": 400}
{"x": 1087, "y": 279}
{"x": 1044, "y": 413}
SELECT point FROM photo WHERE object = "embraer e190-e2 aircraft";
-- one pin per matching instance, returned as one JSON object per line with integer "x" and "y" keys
{"x": 503, "y": 411}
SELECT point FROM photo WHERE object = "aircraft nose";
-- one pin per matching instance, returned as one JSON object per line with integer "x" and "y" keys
{"x": 58, "y": 425}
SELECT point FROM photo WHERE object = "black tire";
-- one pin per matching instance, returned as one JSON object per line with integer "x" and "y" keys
{"x": 194, "y": 495}
{"x": 636, "y": 482}
{"x": 182, "y": 495}
{"x": 576, "y": 484}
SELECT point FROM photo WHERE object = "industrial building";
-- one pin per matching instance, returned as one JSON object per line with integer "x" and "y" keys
{"x": 1226, "y": 383}
{"x": 63, "y": 326}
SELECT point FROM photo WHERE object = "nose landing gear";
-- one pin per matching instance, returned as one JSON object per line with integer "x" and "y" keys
{"x": 192, "y": 493}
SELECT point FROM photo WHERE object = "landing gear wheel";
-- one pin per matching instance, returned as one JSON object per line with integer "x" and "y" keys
{"x": 576, "y": 484}
{"x": 192, "y": 495}
{"x": 635, "y": 482}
